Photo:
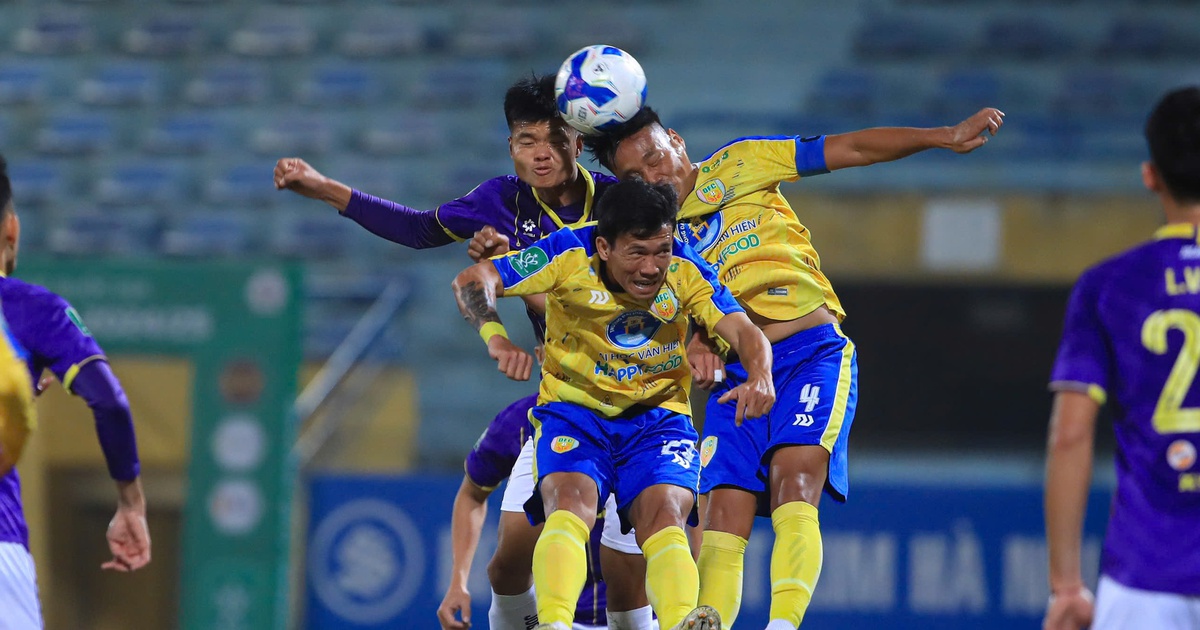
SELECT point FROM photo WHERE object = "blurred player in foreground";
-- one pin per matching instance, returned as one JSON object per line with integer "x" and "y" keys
{"x": 550, "y": 190}
{"x": 18, "y": 417}
{"x": 54, "y": 338}
{"x": 613, "y": 411}
{"x": 732, "y": 212}
{"x": 1132, "y": 333}
{"x": 490, "y": 462}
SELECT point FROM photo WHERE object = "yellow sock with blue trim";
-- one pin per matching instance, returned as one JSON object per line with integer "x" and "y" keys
{"x": 672, "y": 581}
{"x": 795, "y": 561}
{"x": 722, "y": 558}
{"x": 560, "y": 567}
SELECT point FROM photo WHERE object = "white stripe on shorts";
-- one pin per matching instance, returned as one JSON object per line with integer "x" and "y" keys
{"x": 18, "y": 589}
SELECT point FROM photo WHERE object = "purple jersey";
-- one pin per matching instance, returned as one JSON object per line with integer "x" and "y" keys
{"x": 53, "y": 338}
{"x": 1132, "y": 336}
{"x": 491, "y": 462}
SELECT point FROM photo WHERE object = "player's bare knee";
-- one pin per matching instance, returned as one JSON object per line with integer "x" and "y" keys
{"x": 508, "y": 575}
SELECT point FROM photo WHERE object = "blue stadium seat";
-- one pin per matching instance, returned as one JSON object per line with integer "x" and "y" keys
{"x": 184, "y": 134}
{"x": 56, "y": 32}
{"x": 383, "y": 34}
{"x": 896, "y": 37}
{"x": 228, "y": 84}
{"x": 311, "y": 234}
{"x": 121, "y": 84}
{"x": 75, "y": 134}
{"x": 139, "y": 183}
{"x": 455, "y": 85}
{"x": 274, "y": 33}
{"x": 851, "y": 92}
{"x": 490, "y": 34}
{"x": 340, "y": 86}
{"x": 242, "y": 185}
{"x": 292, "y": 135}
{"x": 24, "y": 83}
{"x": 407, "y": 134}
{"x": 37, "y": 183}
{"x": 1099, "y": 92}
{"x": 960, "y": 93}
{"x": 614, "y": 28}
{"x": 207, "y": 235}
{"x": 93, "y": 232}
{"x": 1025, "y": 38}
{"x": 1150, "y": 39}
{"x": 165, "y": 34}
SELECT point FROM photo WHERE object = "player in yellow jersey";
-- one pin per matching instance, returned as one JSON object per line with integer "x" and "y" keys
{"x": 613, "y": 411}
{"x": 17, "y": 413}
{"x": 733, "y": 213}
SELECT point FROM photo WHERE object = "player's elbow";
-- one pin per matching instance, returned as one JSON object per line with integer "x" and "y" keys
{"x": 1069, "y": 434}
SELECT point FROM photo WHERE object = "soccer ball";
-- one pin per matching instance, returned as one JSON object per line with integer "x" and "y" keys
{"x": 599, "y": 87}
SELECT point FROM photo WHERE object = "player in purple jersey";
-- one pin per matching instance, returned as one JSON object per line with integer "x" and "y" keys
{"x": 489, "y": 463}
{"x": 1132, "y": 335}
{"x": 550, "y": 190}
{"x": 54, "y": 338}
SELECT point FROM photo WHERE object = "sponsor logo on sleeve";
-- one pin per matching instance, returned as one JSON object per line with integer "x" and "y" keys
{"x": 528, "y": 261}
{"x": 73, "y": 315}
{"x": 564, "y": 443}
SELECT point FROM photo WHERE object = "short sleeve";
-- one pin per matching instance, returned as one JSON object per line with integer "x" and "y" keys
{"x": 468, "y": 214}
{"x": 1084, "y": 354}
{"x": 541, "y": 266}
{"x": 706, "y": 299}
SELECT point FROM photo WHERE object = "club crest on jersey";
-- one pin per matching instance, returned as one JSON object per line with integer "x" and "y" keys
{"x": 528, "y": 261}
{"x": 666, "y": 305}
{"x": 711, "y": 192}
{"x": 707, "y": 449}
{"x": 701, "y": 234}
{"x": 564, "y": 443}
{"x": 1181, "y": 455}
{"x": 632, "y": 329}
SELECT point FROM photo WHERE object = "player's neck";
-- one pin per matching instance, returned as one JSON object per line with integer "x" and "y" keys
{"x": 1177, "y": 212}
{"x": 567, "y": 193}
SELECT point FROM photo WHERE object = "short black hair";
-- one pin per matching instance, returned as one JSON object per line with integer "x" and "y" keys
{"x": 1173, "y": 135}
{"x": 635, "y": 207}
{"x": 603, "y": 146}
{"x": 530, "y": 100}
{"x": 5, "y": 187}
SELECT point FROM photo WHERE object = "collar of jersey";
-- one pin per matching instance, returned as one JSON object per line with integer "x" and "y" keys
{"x": 584, "y": 216}
{"x": 1176, "y": 230}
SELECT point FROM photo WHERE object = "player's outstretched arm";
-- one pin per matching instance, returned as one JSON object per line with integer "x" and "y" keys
{"x": 756, "y": 396}
{"x": 884, "y": 144}
{"x": 1069, "y": 453}
{"x": 466, "y": 527}
{"x": 476, "y": 290}
{"x": 298, "y": 176}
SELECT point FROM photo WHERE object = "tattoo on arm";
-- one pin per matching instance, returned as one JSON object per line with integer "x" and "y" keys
{"x": 473, "y": 302}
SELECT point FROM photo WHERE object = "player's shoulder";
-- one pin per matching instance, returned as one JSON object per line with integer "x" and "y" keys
{"x": 744, "y": 144}
{"x": 568, "y": 238}
{"x": 29, "y": 295}
{"x": 603, "y": 180}
{"x": 500, "y": 187}
{"x": 1137, "y": 260}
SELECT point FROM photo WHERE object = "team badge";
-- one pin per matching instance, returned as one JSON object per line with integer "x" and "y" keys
{"x": 528, "y": 261}
{"x": 701, "y": 234}
{"x": 632, "y": 329}
{"x": 666, "y": 305}
{"x": 1181, "y": 455}
{"x": 73, "y": 315}
{"x": 564, "y": 443}
{"x": 707, "y": 449}
{"x": 711, "y": 192}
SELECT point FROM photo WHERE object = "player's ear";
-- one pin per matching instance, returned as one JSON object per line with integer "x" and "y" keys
{"x": 1150, "y": 178}
{"x": 11, "y": 236}
{"x": 676, "y": 139}
{"x": 578, "y": 144}
{"x": 603, "y": 247}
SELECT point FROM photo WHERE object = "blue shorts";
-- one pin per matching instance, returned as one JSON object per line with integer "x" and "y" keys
{"x": 816, "y": 391}
{"x": 623, "y": 455}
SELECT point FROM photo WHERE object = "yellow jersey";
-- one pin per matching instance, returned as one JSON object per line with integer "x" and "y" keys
{"x": 17, "y": 414}
{"x": 604, "y": 350}
{"x": 737, "y": 219}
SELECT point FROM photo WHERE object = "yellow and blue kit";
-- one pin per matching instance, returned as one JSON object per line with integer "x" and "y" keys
{"x": 614, "y": 392}
{"x": 17, "y": 414}
{"x": 739, "y": 221}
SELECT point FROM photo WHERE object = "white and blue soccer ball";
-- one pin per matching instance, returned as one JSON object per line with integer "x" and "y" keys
{"x": 599, "y": 87}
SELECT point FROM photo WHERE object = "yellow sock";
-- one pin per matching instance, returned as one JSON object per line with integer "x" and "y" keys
{"x": 795, "y": 561}
{"x": 672, "y": 581}
{"x": 560, "y": 567}
{"x": 722, "y": 557}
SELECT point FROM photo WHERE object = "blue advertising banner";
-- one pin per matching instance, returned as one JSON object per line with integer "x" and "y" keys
{"x": 898, "y": 556}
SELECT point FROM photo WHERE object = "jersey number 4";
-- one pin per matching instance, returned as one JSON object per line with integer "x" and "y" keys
{"x": 1170, "y": 416}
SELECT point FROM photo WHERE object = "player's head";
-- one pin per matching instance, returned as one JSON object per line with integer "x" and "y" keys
{"x": 642, "y": 148}
{"x": 10, "y": 226}
{"x": 634, "y": 235}
{"x": 544, "y": 148}
{"x": 1173, "y": 134}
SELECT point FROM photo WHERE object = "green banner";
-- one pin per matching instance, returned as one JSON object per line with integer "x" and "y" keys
{"x": 240, "y": 323}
